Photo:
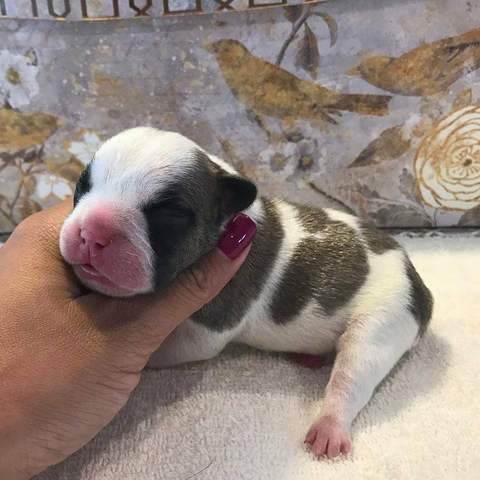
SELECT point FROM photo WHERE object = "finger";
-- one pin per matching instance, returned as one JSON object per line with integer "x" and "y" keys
{"x": 51, "y": 220}
{"x": 145, "y": 322}
{"x": 42, "y": 229}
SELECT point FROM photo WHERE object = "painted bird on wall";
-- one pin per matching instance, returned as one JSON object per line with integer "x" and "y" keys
{"x": 267, "y": 89}
{"x": 426, "y": 70}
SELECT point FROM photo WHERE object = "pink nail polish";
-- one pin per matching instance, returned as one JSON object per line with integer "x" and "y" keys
{"x": 238, "y": 234}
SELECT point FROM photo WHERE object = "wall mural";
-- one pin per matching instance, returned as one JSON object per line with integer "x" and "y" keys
{"x": 316, "y": 102}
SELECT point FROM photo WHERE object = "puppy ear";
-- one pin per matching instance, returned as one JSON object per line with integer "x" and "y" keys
{"x": 237, "y": 193}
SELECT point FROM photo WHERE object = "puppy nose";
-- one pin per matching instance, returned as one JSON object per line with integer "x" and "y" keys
{"x": 94, "y": 239}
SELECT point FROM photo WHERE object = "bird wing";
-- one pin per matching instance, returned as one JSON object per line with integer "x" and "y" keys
{"x": 471, "y": 38}
{"x": 456, "y": 56}
{"x": 277, "y": 78}
{"x": 432, "y": 67}
{"x": 272, "y": 89}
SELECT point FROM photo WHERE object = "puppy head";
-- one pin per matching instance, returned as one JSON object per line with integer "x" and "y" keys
{"x": 148, "y": 205}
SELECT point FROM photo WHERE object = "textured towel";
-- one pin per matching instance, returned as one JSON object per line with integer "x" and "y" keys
{"x": 244, "y": 415}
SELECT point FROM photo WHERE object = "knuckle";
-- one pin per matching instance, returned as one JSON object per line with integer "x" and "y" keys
{"x": 35, "y": 219}
{"x": 23, "y": 232}
{"x": 24, "y": 226}
{"x": 30, "y": 227}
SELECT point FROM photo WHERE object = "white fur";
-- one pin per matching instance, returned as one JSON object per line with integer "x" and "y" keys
{"x": 380, "y": 328}
{"x": 131, "y": 216}
{"x": 157, "y": 158}
{"x": 343, "y": 217}
{"x": 129, "y": 170}
{"x": 370, "y": 333}
{"x": 380, "y": 331}
{"x": 191, "y": 342}
{"x": 221, "y": 163}
{"x": 260, "y": 331}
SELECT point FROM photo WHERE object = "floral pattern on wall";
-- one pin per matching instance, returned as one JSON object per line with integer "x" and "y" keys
{"x": 30, "y": 181}
{"x": 447, "y": 165}
{"x": 314, "y": 102}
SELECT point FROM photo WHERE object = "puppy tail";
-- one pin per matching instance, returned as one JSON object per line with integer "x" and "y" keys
{"x": 421, "y": 298}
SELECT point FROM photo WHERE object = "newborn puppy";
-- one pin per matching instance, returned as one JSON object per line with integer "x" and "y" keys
{"x": 316, "y": 280}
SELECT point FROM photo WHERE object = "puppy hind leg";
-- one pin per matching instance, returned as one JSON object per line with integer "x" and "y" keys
{"x": 366, "y": 353}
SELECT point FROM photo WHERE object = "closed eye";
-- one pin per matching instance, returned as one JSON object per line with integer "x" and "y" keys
{"x": 169, "y": 214}
{"x": 169, "y": 205}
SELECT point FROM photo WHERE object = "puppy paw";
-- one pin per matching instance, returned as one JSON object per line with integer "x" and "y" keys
{"x": 329, "y": 437}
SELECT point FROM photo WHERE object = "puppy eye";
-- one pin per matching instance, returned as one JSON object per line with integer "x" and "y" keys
{"x": 169, "y": 214}
{"x": 169, "y": 207}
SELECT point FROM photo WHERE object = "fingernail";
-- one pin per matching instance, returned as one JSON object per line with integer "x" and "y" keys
{"x": 237, "y": 236}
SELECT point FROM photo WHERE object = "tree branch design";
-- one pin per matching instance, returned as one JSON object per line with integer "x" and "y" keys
{"x": 295, "y": 28}
{"x": 309, "y": 48}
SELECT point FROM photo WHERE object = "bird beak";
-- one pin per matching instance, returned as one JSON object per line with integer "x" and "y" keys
{"x": 354, "y": 72}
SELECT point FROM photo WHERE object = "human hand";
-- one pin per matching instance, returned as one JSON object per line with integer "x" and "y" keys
{"x": 69, "y": 359}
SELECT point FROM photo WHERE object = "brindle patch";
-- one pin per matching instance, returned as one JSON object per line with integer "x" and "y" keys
{"x": 421, "y": 299}
{"x": 227, "y": 309}
{"x": 312, "y": 219}
{"x": 378, "y": 241}
{"x": 329, "y": 269}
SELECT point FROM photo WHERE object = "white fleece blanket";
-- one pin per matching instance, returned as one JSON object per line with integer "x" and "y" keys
{"x": 245, "y": 414}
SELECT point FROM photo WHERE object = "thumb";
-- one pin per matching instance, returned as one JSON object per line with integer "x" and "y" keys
{"x": 144, "y": 322}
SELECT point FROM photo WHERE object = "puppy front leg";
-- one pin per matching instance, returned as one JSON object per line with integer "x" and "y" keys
{"x": 189, "y": 342}
{"x": 366, "y": 353}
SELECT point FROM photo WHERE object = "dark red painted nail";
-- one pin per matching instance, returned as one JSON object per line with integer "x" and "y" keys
{"x": 237, "y": 236}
